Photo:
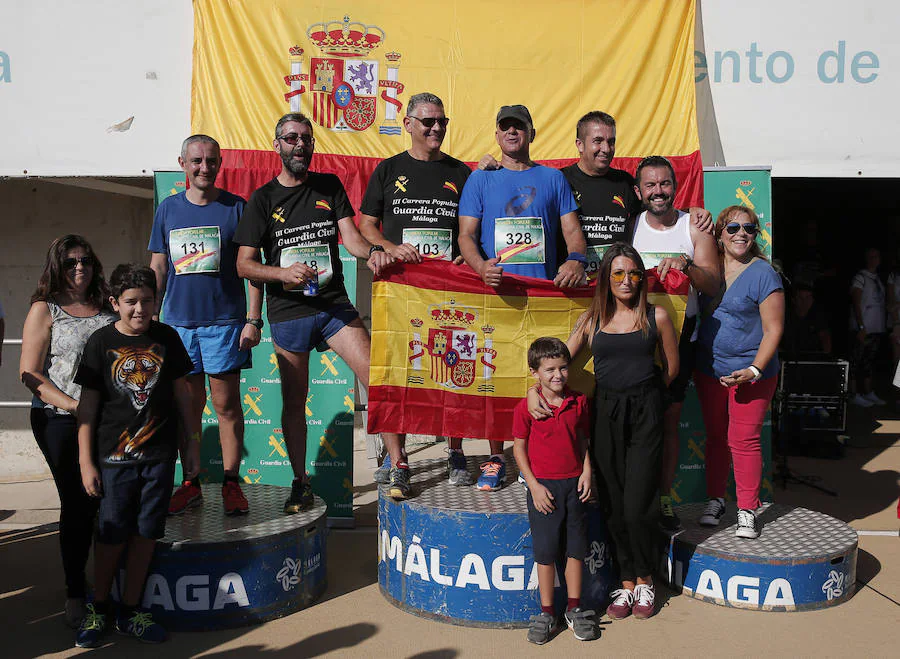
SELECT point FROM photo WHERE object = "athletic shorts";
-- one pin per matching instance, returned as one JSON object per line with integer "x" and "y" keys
{"x": 135, "y": 501}
{"x": 564, "y": 527}
{"x": 214, "y": 348}
{"x": 305, "y": 334}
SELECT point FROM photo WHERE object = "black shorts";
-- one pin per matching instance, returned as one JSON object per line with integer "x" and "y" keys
{"x": 135, "y": 501}
{"x": 565, "y": 524}
{"x": 687, "y": 356}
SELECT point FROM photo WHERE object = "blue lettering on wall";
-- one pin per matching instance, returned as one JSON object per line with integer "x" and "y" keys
{"x": 5, "y": 71}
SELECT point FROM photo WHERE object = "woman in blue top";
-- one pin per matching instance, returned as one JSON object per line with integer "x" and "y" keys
{"x": 737, "y": 366}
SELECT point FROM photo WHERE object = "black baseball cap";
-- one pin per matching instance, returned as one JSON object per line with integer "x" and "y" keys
{"x": 519, "y": 112}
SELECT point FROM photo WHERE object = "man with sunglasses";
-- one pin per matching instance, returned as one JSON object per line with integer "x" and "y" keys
{"x": 668, "y": 240}
{"x": 410, "y": 209}
{"x": 200, "y": 294}
{"x": 515, "y": 220}
{"x": 295, "y": 219}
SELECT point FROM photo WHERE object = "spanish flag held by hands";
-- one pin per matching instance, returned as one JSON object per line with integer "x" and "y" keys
{"x": 449, "y": 354}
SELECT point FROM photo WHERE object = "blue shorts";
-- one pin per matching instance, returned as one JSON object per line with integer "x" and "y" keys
{"x": 135, "y": 501}
{"x": 214, "y": 348}
{"x": 305, "y": 334}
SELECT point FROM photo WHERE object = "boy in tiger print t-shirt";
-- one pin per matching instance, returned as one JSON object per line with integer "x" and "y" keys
{"x": 132, "y": 374}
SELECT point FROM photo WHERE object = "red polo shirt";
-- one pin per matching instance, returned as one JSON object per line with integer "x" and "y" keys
{"x": 554, "y": 450}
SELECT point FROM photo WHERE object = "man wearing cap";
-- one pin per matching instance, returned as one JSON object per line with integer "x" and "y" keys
{"x": 410, "y": 209}
{"x": 514, "y": 220}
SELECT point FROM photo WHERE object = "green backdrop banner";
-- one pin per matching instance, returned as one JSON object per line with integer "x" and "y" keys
{"x": 329, "y": 410}
{"x": 724, "y": 187}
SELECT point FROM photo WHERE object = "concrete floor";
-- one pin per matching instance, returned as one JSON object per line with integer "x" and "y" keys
{"x": 353, "y": 619}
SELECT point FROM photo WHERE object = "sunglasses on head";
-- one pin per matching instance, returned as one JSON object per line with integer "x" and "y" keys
{"x": 749, "y": 228}
{"x": 618, "y": 276}
{"x": 71, "y": 263}
{"x": 293, "y": 138}
{"x": 429, "y": 122}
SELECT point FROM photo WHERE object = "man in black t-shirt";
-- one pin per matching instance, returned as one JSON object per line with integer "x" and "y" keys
{"x": 410, "y": 209}
{"x": 296, "y": 218}
{"x": 607, "y": 203}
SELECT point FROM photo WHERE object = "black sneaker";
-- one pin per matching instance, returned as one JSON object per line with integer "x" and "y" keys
{"x": 302, "y": 497}
{"x": 541, "y": 628}
{"x": 400, "y": 487}
{"x": 92, "y": 629}
{"x": 713, "y": 512}
{"x": 746, "y": 525}
{"x": 668, "y": 519}
{"x": 457, "y": 473}
{"x": 582, "y": 623}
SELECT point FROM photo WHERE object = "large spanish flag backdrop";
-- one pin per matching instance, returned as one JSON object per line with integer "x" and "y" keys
{"x": 449, "y": 354}
{"x": 351, "y": 66}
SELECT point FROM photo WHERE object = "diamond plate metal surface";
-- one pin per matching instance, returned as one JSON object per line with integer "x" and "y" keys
{"x": 207, "y": 523}
{"x": 432, "y": 489}
{"x": 787, "y": 533}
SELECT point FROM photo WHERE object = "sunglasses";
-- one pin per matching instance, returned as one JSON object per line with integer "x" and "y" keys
{"x": 72, "y": 263}
{"x": 293, "y": 138}
{"x": 749, "y": 228}
{"x": 618, "y": 276}
{"x": 429, "y": 122}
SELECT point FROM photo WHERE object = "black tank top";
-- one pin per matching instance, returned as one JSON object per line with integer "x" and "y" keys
{"x": 622, "y": 361}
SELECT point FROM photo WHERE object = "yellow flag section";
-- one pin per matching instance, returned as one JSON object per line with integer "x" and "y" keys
{"x": 352, "y": 66}
{"x": 449, "y": 354}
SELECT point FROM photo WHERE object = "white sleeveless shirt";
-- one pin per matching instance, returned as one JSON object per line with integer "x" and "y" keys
{"x": 654, "y": 245}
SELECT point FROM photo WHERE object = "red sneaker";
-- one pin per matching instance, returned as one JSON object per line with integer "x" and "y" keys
{"x": 186, "y": 496}
{"x": 620, "y": 606}
{"x": 644, "y": 601}
{"x": 233, "y": 500}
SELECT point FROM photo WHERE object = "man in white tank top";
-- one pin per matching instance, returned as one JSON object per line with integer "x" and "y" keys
{"x": 668, "y": 240}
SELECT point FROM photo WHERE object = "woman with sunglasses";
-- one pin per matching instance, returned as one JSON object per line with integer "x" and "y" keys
{"x": 624, "y": 333}
{"x": 70, "y": 303}
{"x": 737, "y": 365}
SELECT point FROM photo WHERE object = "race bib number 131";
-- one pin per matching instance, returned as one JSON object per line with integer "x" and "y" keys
{"x": 195, "y": 249}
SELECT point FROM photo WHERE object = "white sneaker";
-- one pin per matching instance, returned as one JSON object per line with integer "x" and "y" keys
{"x": 873, "y": 398}
{"x": 746, "y": 525}
{"x": 861, "y": 401}
{"x": 713, "y": 512}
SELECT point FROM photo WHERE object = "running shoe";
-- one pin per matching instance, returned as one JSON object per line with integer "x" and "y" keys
{"x": 620, "y": 606}
{"x": 873, "y": 398}
{"x": 382, "y": 475}
{"x": 92, "y": 628}
{"x": 400, "y": 487}
{"x": 582, "y": 623}
{"x": 141, "y": 625}
{"x": 644, "y": 598}
{"x": 186, "y": 496}
{"x": 747, "y": 526}
{"x": 713, "y": 512}
{"x": 302, "y": 497}
{"x": 233, "y": 500}
{"x": 457, "y": 473}
{"x": 493, "y": 474}
{"x": 541, "y": 628}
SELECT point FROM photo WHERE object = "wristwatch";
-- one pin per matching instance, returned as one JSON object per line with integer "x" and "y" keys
{"x": 375, "y": 248}
{"x": 688, "y": 261}
{"x": 256, "y": 322}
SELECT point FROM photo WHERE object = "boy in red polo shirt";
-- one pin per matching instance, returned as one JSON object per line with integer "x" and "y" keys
{"x": 552, "y": 457}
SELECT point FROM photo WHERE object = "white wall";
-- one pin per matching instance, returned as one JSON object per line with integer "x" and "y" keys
{"x": 69, "y": 70}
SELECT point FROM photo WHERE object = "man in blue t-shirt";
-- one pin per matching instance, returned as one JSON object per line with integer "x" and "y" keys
{"x": 193, "y": 256}
{"x": 512, "y": 220}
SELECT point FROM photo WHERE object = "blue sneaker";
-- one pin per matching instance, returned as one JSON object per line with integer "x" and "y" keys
{"x": 382, "y": 475}
{"x": 140, "y": 625}
{"x": 493, "y": 473}
{"x": 92, "y": 628}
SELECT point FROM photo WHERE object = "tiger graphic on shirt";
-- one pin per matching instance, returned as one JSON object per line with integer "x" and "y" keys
{"x": 135, "y": 370}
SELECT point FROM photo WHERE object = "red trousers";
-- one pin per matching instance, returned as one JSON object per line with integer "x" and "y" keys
{"x": 733, "y": 417}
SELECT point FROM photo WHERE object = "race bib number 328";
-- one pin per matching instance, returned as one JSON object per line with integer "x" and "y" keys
{"x": 519, "y": 240}
{"x": 195, "y": 250}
